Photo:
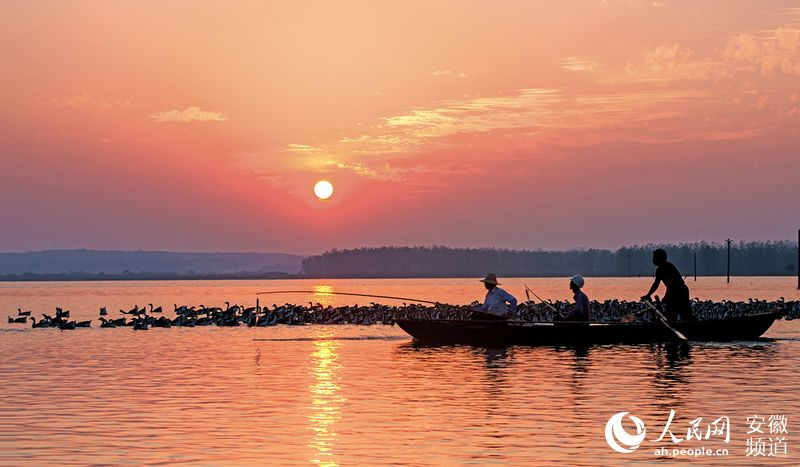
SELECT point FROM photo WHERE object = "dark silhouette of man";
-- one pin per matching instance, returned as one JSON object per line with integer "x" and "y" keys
{"x": 582, "y": 310}
{"x": 676, "y": 297}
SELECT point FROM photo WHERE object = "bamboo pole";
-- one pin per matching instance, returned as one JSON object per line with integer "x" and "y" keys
{"x": 728, "y": 241}
{"x": 319, "y": 292}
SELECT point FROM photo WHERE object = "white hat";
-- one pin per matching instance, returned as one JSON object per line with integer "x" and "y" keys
{"x": 577, "y": 279}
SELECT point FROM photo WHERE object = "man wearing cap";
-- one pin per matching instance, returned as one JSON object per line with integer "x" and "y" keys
{"x": 496, "y": 298}
{"x": 581, "y": 311}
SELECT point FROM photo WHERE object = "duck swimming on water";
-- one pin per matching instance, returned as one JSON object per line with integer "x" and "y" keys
{"x": 105, "y": 323}
{"x": 40, "y": 324}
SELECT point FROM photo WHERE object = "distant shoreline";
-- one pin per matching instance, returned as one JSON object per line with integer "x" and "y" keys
{"x": 283, "y": 276}
{"x": 752, "y": 258}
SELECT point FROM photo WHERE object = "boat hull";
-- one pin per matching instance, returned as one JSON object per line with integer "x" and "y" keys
{"x": 572, "y": 333}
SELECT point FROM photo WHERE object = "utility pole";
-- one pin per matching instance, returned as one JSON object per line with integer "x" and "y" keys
{"x": 695, "y": 266}
{"x": 728, "y": 241}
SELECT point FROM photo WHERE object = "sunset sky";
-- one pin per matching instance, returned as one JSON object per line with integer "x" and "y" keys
{"x": 203, "y": 126}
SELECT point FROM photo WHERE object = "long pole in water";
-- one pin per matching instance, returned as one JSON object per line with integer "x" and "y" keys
{"x": 664, "y": 321}
{"x": 319, "y": 292}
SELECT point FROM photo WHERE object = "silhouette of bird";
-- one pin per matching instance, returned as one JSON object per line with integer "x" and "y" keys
{"x": 40, "y": 324}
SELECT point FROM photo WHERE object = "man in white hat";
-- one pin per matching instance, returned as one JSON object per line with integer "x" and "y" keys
{"x": 582, "y": 311}
{"x": 496, "y": 298}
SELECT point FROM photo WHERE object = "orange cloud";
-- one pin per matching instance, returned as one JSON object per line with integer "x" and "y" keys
{"x": 458, "y": 74}
{"x": 495, "y": 125}
{"x": 778, "y": 51}
{"x": 668, "y": 63}
{"x": 85, "y": 100}
{"x": 385, "y": 172}
{"x": 579, "y": 64}
{"x": 190, "y": 114}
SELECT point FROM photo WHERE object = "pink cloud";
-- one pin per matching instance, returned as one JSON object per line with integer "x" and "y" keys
{"x": 189, "y": 114}
{"x": 85, "y": 100}
{"x": 776, "y": 52}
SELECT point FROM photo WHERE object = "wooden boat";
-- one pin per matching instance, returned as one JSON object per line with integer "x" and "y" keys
{"x": 571, "y": 332}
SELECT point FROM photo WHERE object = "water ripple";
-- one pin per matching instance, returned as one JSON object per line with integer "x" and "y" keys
{"x": 351, "y": 395}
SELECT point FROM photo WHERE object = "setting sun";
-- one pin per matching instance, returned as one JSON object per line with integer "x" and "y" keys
{"x": 323, "y": 189}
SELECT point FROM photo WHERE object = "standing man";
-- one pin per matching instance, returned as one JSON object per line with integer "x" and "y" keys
{"x": 676, "y": 298}
{"x": 496, "y": 298}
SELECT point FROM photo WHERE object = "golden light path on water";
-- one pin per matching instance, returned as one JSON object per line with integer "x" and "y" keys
{"x": 325, "y": 398}
{"x": 322, "y": 295}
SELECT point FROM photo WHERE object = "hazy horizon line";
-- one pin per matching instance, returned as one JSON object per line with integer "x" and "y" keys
{"x": 433, "y": 245}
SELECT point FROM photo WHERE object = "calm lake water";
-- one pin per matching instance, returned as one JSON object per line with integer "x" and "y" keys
{"x": 353, "y": 395}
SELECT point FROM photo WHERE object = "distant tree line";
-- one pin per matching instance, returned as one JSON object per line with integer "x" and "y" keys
{"x": 140, "y": 276}
{"x": 124, "y": 263}
{"x": 764, "y": 258}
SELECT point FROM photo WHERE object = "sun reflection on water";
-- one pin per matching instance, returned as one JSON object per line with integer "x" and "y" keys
{"x": 325, "y": 399}
{"x": 322, "y": 295}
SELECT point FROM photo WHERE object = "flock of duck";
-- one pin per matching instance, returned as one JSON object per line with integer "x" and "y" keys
{"x": 613, "y": 311}
{"x": 143, "y": 318}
